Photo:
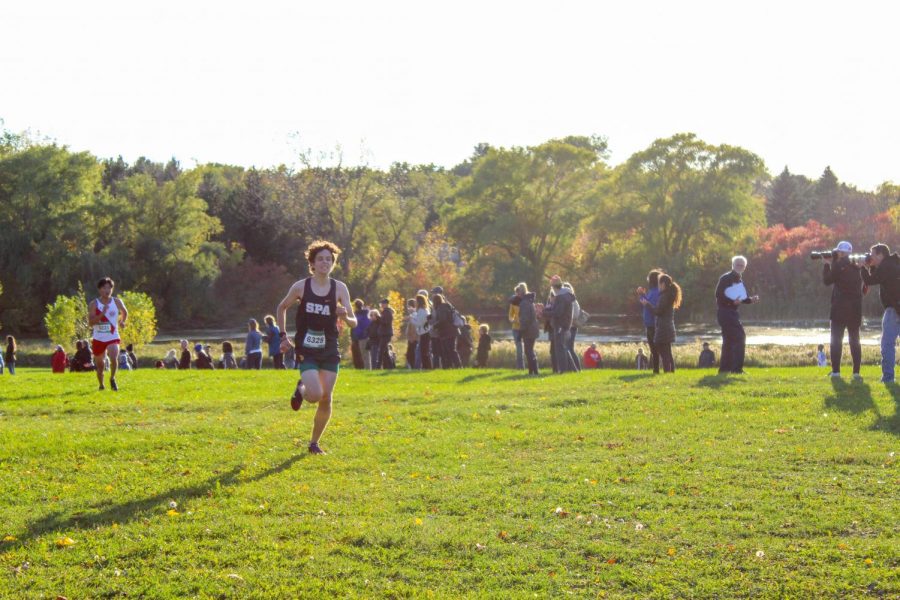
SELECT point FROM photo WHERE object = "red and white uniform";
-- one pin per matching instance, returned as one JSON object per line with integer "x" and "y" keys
{"x": 106, "y": 332}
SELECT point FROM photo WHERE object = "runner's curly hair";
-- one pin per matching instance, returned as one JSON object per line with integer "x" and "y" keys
{"x": 316, "y": 247}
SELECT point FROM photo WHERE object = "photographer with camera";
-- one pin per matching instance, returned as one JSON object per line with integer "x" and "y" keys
{"x": 883, "y": 268}
{"x": 846, "y": 305}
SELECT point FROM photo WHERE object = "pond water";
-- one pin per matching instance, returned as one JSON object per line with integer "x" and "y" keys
{"x": 608, "y": 329}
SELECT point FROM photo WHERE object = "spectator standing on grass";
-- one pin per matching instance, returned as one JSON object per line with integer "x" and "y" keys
{"x": 253, "y": 345}
{"x": 573, "y": 330}
{"x": 484, "y": 346}
{"x": 59, "y": 361}
{"x": 707, "y": 358}
{"x": 529, "y": 326}
{"x": 437, "y": 348}
{"x": 465, "y": 344}
{"x": 412, "y": 338}
{"x": 592, "y": 358}
{"x": 420, "y": 320}
{"x": 273, "y": 340}
{"x": 10, "y": 355}
{"x": 385, "y": 334}
{"x": 359, "y": 335}
{"x": 664, "y": 336}
{"x": 883, "y": 269}
{"x": 734, "y": 339}
{"x": 372, "y": 337}
{"x": 651, "y": 295}
{"x": 447, "y": 332}
{"x": 228, "y": 361}
{"x": 561, "y": 320}
{"x": 184, "y": 363}
{"x": 514, "y": 303}
{"x": 846, "y": 306}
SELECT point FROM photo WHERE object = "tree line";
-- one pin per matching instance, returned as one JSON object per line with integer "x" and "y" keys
{"x": 214, "y": 244}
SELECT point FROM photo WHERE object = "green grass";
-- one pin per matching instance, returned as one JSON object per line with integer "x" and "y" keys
{"x": 447, "y": 484}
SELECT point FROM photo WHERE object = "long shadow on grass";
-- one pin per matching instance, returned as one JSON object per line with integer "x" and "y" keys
{"x": 891, "y": 423}
{"x": 854, "y": 398}
{"x": 144, "y": 507}
{"x": 716, "y": 381}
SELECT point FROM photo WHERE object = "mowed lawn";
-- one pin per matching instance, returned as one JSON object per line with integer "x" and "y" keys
{"x": 463, "y": 483}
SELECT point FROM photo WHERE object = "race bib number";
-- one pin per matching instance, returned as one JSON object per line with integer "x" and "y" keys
{"x": 314, "y": 339}
{"x": 104, "y": 327}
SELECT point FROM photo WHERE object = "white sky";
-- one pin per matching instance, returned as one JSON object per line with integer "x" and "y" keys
{"x": 807, "y": 84}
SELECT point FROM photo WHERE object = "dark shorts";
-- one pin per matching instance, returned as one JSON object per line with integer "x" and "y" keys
{"x": 319, "y": 364}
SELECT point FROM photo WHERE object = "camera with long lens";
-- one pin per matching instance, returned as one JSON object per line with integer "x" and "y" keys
{"x": 819, "y": 255}
{"x": 861, "y": 259}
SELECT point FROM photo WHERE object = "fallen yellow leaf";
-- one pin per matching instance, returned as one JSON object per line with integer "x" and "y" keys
{"x": 64, "y": 542}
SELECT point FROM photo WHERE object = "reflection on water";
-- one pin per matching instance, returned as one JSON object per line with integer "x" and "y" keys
{"x": 613, "y": 329}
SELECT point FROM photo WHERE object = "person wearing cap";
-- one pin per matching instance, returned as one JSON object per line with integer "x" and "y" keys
{"x": 734, "y": 338}
{"x": 385, "y": 333}
{"x": 883, "y": 269}
{"x": 846, "y": 306}
{"x": 707, "y": 357}
{"x": 203, "y": 359}
{"x": 253, "y": 345}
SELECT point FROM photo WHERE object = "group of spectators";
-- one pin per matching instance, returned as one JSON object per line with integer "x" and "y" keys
{"x": 83, "y": 359}
{"x": 202, "y": 357}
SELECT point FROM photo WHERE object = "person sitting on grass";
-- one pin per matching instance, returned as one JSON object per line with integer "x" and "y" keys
{"x": 484, "y": 346}
{"x": 641, "y": 360}
{"x": 171, "y": 360}
{"x": 707, "y": 358}
{"x": 592, "y": 358}
{"x": 821, "y": 359}
{"x": 228, "y": 361}
{"x": 185, "y": 362}
{"x": 59, "y": 361}
{"x": 203, "y": 359}
{"x": 82, "y": 360}
{"x": 129, "y": 349}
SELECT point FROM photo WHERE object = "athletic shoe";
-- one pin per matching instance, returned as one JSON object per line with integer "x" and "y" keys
{"x": 857, "y": 377}
{"x": 314, "y": 449}
{"x": 101, "y": 388}
{"x": 833, "y": 374}
{"x": 297, "y": 398}
{"x": 113, "y": 384}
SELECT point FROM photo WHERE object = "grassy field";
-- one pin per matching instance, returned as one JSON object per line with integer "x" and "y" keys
{"x": 462, "y": 483}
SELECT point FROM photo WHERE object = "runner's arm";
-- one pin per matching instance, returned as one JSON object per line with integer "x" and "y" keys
{"x": 93, "y": 319}
{"x": 123, "y": 312}
{"x": 343, "y": 297}
{"x": 294, "y": 295}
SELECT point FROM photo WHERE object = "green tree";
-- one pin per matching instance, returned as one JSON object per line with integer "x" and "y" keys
{"x": 521, "y": 207}
{"x": 66, "y": 319}
{"x": 788, "y": 200}
{"x": 140, "y": 329}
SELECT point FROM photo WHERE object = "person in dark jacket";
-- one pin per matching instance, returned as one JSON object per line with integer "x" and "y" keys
{"x": 83, "y": 360}
{"x": 372, "y": 337}
{"x": 484, "y": 346}
{"x": 529, "y": 327}
{"x": 846, "y": 306}
{"x": 561, "y": 316}
{"x": 359, "y": 334}
{"x": 465, "y": 344}
{"x": 203, "y": 359}
{"x": 446, "y": 332}
{"x": 707, "y": 358}
{"x": 651, "y": 294}
{"x": 664, "y": 335}
{"x": 385, "y": 333}
{"x": 733, "y": 337}
{"x": 185, "y": 361}
{"x": 10, "y": 355}
{"x": 437, "y": 349}
{"x": 883, "y": 269}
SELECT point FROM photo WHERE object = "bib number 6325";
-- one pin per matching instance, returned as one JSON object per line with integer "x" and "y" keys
{"x": 314, "y": 339}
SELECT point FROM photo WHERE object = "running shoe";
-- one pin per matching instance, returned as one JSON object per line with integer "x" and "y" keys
{"x": 297, "y": 398}
{"x": 314, "y": 449}
{"x": 833, "y": 374}
{"x": 113, "y": 384}
{"x": 857, "y": 377}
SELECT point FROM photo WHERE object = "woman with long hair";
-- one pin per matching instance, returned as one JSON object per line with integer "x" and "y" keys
{"x": 664, "y": 336}
{"x": 419, "y": 319}
{"x": 10, "y": 354}
{"x": 651, "y": 295}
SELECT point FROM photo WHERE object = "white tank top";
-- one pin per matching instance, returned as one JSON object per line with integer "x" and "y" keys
{"x": 107, "y": 329}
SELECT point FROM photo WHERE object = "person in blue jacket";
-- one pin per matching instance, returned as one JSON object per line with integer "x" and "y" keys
{"x": 651, "y": 295}
{"x": 358, "y": 334}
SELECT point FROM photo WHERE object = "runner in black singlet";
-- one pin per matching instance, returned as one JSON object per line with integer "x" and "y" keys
{"x": 322, "y": 300}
